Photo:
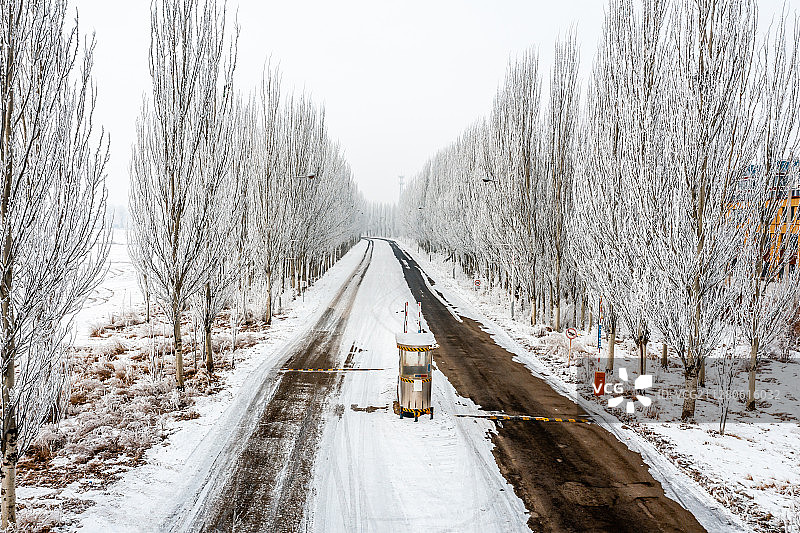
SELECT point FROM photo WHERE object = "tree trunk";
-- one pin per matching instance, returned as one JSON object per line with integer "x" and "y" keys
{"x": 701, "y": 378}
{"x": 147, "y": 298}
{"x": 690, "y": 384}
{"x": 194, "y": 343}
{"x": 664, "y": 361}
{"x": 8, "y": 469}
{"x": 642, "y": 348}
{"x": 9, "y": 472}
{"x": 176, "y": 330}
{"x": 574, "y": 303}
{"x": 209, "y": 354}
{"x": 268, "y": 311}
{"x": 751, "y": 377}
{"x": 583, "y": 312}
{"x": 642, "y": 336}
{"x": 612, "y": 337}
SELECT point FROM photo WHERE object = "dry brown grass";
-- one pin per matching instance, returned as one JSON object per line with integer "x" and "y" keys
{"x": 103, "y": 372}
{"x": 77, "y": 398}
{"x": 117, "y": 410}
{"x": 190, "y": 415}
{"x": 113, "y": 349}
{"x": 96, "y": 330}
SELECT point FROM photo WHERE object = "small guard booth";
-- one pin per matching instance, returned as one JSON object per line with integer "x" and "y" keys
{"x": 414, "y": 382}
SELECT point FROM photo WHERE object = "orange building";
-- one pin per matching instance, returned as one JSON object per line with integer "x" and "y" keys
{"x": 787, "y": 221}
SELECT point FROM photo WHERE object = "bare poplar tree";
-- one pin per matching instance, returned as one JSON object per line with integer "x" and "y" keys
{"x": 512, "y": 161}
{"x": 221, "y": 162}
{"x": 770, "y": 287}
{"x": 173, "y": 202}
{"x": 52, "y": 216}
{"x": 267, "y": 206}
{"x": 709, "y": 140}
{"x": 560, "y": 141}
{"x": 623, "y": 148}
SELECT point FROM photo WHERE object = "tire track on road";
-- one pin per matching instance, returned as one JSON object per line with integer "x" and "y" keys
{"x": 268, "y": 488}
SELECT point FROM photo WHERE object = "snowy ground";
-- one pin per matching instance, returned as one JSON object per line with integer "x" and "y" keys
{"x": 753, "y": 469}
{"x": 119, "y": 408}
{"x": 177, "y": 469}
{"x": 375, "y": 472}
{"x": 117, "y": 295}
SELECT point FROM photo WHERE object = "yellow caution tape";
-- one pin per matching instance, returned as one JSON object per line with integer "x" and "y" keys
{"x": 527, "y": 418}
{"x": 415, "y": 348}
{"x": 417, "y": 412}
{"x": 412, "y": 380}
{"x": 329, "y": 369}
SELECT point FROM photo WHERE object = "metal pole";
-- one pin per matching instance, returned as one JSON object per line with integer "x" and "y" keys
{"x": 599, "y": 329}
{"x": 569, "y": 356}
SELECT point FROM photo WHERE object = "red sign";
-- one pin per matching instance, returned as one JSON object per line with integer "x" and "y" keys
{"x": 599, "y": 383}
{"x": 477, "y": 283}
{"x": 571, "y": 333}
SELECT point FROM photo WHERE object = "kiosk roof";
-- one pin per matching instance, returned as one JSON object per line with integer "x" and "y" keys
{"x": 415, "y": 339}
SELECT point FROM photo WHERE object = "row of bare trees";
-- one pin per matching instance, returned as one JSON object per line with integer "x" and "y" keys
{"x": 232, "y": 197}
{"x": 663, "y": 189}
{"x": 53, "y": 237}
{"x": 217, "y": 211}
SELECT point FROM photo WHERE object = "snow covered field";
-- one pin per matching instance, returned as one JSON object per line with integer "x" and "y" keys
{"x": 116, "y": 295}
{"x": 128, "y": 505}
{"x": 177, "y": 469}
{"x": 753, "y": 469}
{"x": 374, "y": 472}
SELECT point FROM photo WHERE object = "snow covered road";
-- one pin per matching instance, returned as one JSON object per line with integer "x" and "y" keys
{"x": 268, "y": 486}
{"x": 343, "y": 460}
{"x": 371, "y": 471}
{"x": 375, "y": 472}
{"x": 291, "y": 451}
{"x": 571, "y": 476}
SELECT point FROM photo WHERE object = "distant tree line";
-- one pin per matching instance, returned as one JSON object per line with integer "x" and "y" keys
{"x": 380, "y": 220}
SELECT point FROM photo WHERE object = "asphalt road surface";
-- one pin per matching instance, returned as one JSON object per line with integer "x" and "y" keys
{"x": 571, "y": 477}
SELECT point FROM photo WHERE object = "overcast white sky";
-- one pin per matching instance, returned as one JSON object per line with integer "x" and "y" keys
{"x": 399, "y": 80}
